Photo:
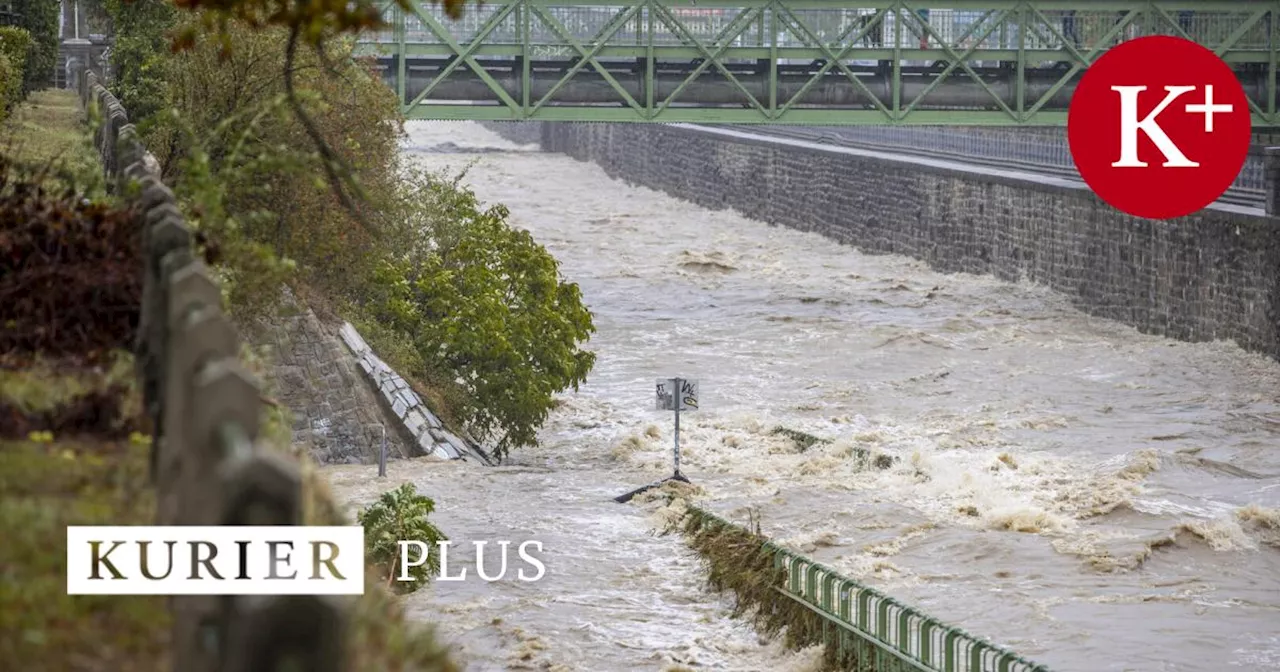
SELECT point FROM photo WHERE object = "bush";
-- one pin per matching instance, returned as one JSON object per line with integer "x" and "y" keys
{"x": 139, "y": 56}
{"x": 15, "y": 43}
{"x": 40, "y": 19}
{"x": 400, "y": 515}
{"x": 229, "y": 120}
{"x": 67, "y": 264}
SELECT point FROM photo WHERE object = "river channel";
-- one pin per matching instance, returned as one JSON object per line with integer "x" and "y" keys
{"x": 1091, "y": 497}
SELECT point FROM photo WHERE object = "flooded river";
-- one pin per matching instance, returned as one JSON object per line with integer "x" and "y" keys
{"x": 1091, "y": 497}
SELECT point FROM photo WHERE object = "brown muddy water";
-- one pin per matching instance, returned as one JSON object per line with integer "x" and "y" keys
{"x": 1091, "y": 497}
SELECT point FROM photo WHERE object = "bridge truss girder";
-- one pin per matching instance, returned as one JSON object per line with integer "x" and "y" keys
{"x": 970, "y": 62}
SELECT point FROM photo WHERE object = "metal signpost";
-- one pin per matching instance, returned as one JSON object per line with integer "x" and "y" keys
{"x": 382, "y": 455}
{"x": 673, "y": 394}
{"x": 677, "y": 394}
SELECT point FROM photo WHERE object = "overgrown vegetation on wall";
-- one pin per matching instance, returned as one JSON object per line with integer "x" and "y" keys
{"x": 740, "y": 561}
{"x": 443, "y": 288}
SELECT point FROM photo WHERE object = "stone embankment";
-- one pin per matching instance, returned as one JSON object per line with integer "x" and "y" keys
{"x": 1210, "y": 276}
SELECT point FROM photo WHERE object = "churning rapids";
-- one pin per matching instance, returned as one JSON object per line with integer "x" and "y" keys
{"x": 1088, "y": 496}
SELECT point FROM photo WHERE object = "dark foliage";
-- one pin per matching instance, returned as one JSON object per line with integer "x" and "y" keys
{"x": 70, "y": 273}
{"x": 97, "y": 413}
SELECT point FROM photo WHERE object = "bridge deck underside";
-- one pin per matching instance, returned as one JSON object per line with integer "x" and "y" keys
{"x": 816, "y": 62}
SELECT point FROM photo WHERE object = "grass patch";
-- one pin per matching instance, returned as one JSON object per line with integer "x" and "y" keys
{"x": 47, "y": 384}
{"x": 70, "y": 402}
{"x": 46, "y": 485}
{"x": 49, "y": 131}
{"x": 50, "y": 483}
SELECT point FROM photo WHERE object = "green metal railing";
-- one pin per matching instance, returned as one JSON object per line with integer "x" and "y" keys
{"x": 903, "y": 638}
{"x": 969, "y": 62}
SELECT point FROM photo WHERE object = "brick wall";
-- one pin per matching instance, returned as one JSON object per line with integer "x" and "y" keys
{"x": 1213, "y": 275}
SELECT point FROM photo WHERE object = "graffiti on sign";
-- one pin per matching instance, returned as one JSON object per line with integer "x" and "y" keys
{"x": 671, "y": 390}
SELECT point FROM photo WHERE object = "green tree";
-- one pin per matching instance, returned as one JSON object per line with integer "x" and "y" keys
{"x": 40, "y": 19}
{"x": 401, "y": 515}
{"x": 486, "y": 305}
{"x": 140, "y": 54}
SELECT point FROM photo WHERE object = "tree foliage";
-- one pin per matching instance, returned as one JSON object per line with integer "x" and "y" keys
{"x": 40, "y": 19}
{"x": 139, "y": 54}
{"x": 249, "y": 173}
{"x": 15, "y": 46}
{"x": 401, "y": 515}
{"x": 448, "y": 291}
{"x": 486, "y": 304}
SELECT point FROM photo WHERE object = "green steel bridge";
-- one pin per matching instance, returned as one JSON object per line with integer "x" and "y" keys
{"x": 794, "y": 62}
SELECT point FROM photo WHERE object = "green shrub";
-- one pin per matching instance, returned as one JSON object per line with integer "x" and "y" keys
{"x": 15, "y": 43}
{"x": 40, "y": 19}
{"x": 139, "y": 55}
{"x": 401, "y": 515}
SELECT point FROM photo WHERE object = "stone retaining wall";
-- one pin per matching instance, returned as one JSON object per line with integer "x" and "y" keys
{"x": 337, "y": 418}
{"x": 1213, "y": 275}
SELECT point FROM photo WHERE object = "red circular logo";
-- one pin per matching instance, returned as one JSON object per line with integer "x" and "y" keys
{"x": 1159, "y": 127}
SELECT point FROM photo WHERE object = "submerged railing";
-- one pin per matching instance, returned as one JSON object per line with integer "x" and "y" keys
{"x": 869, "y": 630}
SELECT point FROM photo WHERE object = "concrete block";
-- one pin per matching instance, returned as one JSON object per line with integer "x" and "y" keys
{"x": 458, "y": 445}
{"x": 353, "y": 339}
{"x": 414, "y": 421}
{"x": 426, "y": 445}
{"x": 408, "y": 397}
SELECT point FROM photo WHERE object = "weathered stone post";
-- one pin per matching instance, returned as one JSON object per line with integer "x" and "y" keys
{"x": 268, "y": 633}
{"x": 189, "y": 453}
{"x": 1271, "y": 167}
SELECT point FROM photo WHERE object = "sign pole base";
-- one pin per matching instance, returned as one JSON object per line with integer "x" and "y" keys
{"x": 623, "y": 499}
{"x": 683, "y": 394}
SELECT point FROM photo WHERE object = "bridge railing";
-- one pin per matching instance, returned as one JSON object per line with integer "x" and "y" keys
{"x": 969, "y": 62}
{"x": 866, "y": 629}
{"x": 207, "y": 465}
{"x": 953, "y": 27}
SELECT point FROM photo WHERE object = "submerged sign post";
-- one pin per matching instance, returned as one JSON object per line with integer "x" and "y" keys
{"x": 673, "y": 394}
{"x": 677, "y": 394}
